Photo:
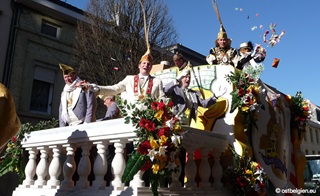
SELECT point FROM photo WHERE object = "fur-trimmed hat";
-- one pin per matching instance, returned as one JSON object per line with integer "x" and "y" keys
{"x": 183, "y": 73}
{"x": 247, "y": 45}
{"x": 66, "y": 70}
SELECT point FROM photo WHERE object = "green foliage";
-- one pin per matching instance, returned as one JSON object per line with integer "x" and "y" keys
{"x": 135, "y": 163}
{"x": 246, "y": 94}
{"x": 13, "y": 159}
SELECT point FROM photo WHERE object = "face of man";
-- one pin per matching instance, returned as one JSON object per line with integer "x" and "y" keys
{"x": 178, "y": 62}
{"x": 70, "y": 78}
{"x": 222, "y": 42}
{"x": 107, "y": 101}
{"x": 145, "y": 68}
{"x": 185, "y": 81}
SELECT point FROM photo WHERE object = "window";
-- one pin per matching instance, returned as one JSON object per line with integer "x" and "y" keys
{"x": 49, "y": 29}
{"x": 311, "y": 135}
{"x": 42, "y": 90}
{"x": 317, "y": 135}
{"x": 318, "y": 114}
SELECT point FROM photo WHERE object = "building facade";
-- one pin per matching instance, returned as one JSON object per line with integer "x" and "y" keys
{"x": 39, "y": 35}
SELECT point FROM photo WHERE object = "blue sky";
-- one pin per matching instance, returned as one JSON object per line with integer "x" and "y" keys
{"x": 298, "y": 51}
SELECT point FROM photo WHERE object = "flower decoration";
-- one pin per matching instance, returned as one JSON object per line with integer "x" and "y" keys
{"x": 246, "y": 177}
{"x": 245, "y": 95}
{"x": 157, "y": 147}
{"x": 300, "y": 111}
{"x": 14, "y": 159}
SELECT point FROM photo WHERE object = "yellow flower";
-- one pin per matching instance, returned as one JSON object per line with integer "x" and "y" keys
{"x": 177, "y": 127}
{"x": 254, "y": 164}
{"x": 153, "y": 143}
{"x": 248, "y": 171}
{"x": 155, "y": 168}
{"x": 158, "y": 115}
{"x": 163, "y": 139}
{"x": 244, "y": 108}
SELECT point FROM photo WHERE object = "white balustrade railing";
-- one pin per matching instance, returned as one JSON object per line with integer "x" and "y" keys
{"x": 51, "y": 165}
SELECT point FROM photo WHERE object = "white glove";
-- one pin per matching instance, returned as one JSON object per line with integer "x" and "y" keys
{"x": 210, "y": 58}
{"x": 256, "y": 49}
{"x": 93, "y": 87}
{"x": 220, "y": 92}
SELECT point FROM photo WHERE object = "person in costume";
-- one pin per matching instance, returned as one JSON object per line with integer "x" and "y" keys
{"x": 222, "y": 53}
{"x": 249, "y": 56}
{"x": 77, "y": 105}
{"x": 9, "y": 120}
{"x": 180, "y": 62}
{"x": 136, "y": 87}
{"x": 185, "y": 100}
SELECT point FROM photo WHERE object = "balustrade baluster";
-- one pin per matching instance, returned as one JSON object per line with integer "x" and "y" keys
{"x": 42, "y": 168}
{"x": 190, "y": 168}
{"x": 54, "y": 168}
{"x": 84, "y": 167}
{"x": 69, "y": 167}
{"x": 118, "y": 165}
{"x": 100, "y": 165}
{"x": 204, "y": 169}
{"x": 217, "y": 170}
{"x": 30, "y": 169}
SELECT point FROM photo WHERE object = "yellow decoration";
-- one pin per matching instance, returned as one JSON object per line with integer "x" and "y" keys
{"x": 155, "y": 168}
{"x": 158, "y": 115}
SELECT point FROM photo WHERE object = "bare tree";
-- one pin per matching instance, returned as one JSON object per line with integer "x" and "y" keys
{"x": 110, "y": 44}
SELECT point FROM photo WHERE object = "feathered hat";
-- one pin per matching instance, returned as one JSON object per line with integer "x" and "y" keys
{"x": 147, "y": 56}
{"x": 222, "y": 33}
{"x": 66, "y": 70}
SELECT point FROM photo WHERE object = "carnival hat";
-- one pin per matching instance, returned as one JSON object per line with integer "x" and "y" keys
{"x": 147, "y": 56}
{"x": 183, "y": 73}
{"x": 66, "y": 70}
{"x": 223, "y": 35}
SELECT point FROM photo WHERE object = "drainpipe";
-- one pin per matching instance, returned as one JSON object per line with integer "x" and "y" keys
{"x": 11, "y": 43}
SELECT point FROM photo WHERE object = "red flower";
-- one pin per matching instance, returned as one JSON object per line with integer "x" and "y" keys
{"x": 242, "y": 181}
{"x": 240, "y": 92}
{"x": 143, "y": 122}
{"x": 170, "y": 104}
{"x": 164, "y": 131}
{"x": 14, "y": 139}
{"x": 146, "y": 166}
{"x": 154, "y": 105}
{"x": 150, "y": 126}
{"x": 161, "y": 106}
{"x": 143, "y": 147}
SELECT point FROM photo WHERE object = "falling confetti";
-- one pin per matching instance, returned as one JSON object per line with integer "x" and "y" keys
{"x": 254, "y": 28}
{"x": 261, "y": 26}
{"x": 274, "y": 37}
{"x": 115, "y": 68}
{"x": 257, "y": 14}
